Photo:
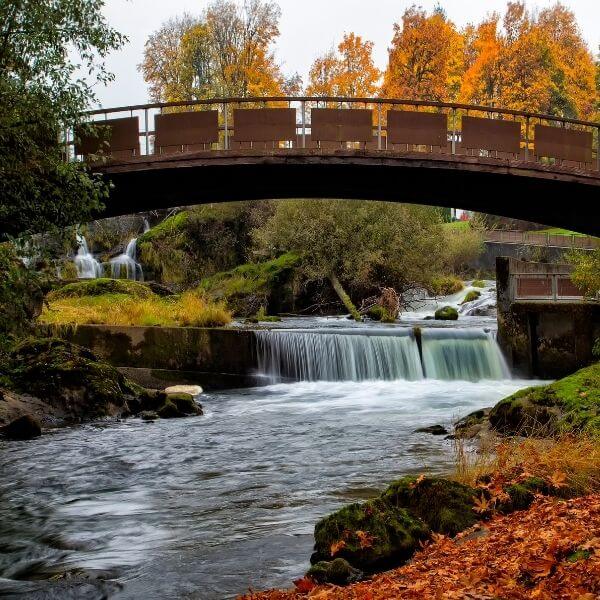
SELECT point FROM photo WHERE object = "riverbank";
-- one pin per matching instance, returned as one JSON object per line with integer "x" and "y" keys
{"x": 551, "y": 550}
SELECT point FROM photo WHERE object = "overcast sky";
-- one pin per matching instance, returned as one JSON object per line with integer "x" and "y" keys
{"x": 308, "y": 28}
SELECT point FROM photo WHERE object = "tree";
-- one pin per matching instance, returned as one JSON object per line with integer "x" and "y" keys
{"x": 224, "y": 52}
{"x": 586, "y": 275}
{"x": 366, "y": 245}
{"x": 45, "y": 45}
{"x": 425, "y": 59}
{"x": 351, "y": 72}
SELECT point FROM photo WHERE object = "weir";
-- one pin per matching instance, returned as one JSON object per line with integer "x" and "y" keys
{"x": 350, "y": 355}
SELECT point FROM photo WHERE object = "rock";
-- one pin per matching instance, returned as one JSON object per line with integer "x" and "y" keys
{"x": 337, "y": 572}
{"x": 148, "y": 415}
{"x": 185, "y": 404}
{"x": 192, "y": 390}
{"x": 169, "y": 411}
{"x": 433, "y": 430}
{"x": 446, "y": 313}
{"x": 470, "y": 296}
{"x": 23, "y": 428}
{"x": 473, "y": 425}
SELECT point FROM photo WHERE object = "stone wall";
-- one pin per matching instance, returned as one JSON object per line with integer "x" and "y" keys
{"x": 212, "y": 358}
{"x": 543, "y": 339}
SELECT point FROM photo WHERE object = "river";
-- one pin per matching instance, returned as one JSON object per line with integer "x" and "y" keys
{"x": 209, "y": 507}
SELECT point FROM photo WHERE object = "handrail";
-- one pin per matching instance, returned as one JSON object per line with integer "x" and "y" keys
{"x": 342, "y": 99}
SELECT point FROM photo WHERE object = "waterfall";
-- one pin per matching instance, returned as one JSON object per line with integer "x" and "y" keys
{"x": 126, "y": 264}
{"x": 351, "y": 355}
{"x": 464, "y": 354}
{"x": 85, "y": 263}
{"x": 328, "y": 355}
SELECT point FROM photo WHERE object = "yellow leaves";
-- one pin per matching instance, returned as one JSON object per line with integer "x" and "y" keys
{"x": 558, "y": 479}
{"x": 336, "y": 547}
{"x": 365, "y": 539}
{"x": 482, "y": 505}
{"x": 418, "y": 481}
{"x": 537, "y": 568}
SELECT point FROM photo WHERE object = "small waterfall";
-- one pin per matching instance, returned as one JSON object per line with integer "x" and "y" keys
{"x": 350, "y": 355}
{"x": 327, "y": 355}
{"x": 463, "y": 354}
{"x": 85, "y": 263}
{"x": 125, "y": 265}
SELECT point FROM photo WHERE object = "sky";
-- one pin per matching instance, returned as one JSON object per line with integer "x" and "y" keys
{"x": 308, "y": 29}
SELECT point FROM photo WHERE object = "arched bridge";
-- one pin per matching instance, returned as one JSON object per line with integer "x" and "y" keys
{"x": 515, "y": 164}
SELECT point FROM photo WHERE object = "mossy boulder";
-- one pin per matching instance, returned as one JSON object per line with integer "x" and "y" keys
{"x": 478, "y": 283}
{"x": 99, "y": 287}
{"x": 381, "y": 314}
{"x": 23, "y": 428}
{"x": 445, "y": 506}
{"x": 445, "y": 285}
{"x": 184, "y": 403}
{"x": 473, "y": 424}
{"x": 570, "y": 404}
{"x": 446, "y": 313}
{"x": 71, "y": 380}
{"x": 470, "y": 296}
{"x": 337, "y": 572}
{"x": 371, "y": 536}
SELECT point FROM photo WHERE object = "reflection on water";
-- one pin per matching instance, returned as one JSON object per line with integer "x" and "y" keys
{"x": 206, "y": 507}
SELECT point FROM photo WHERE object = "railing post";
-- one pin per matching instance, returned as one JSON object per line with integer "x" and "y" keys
{"x": 454, "y": 131}
{"x": 147, "y": 135}
{"x": 527, "y": 138}
{"x": 379, "y": 144}
{"x": 303, "y": 109}
{"x": 226, "y": 139}
{"x": 554, "y": 287}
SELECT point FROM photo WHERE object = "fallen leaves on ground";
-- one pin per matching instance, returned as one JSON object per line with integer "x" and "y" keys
{"x": 521, "y": 556}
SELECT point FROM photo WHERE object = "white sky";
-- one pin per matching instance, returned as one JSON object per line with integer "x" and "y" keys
{"x": 308, "y": 28}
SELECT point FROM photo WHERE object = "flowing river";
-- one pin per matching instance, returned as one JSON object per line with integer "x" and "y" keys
{"x": 212, "y": 506}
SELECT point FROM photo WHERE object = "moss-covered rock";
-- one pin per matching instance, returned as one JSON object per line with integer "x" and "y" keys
{"x": 478, "y": 283}
{"x": 337, "y": 572}
{"x": 446, "y": 313}
{"x": 470, "y": 296}
{"x": 445, "y": 285}
{"x": 379, "y": 313}
{"x": 473, "y": 424}
{"x": 185, "y": 404}
{"x": 371, "y": 536}
{"x": 445, "y": 506}
{"x": 570, "y": 404}
{"x": 99, "y": 287}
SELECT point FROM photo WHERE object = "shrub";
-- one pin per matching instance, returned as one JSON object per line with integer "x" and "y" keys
{"x": 99, "y": 287}
{"x": 445, "y": 285}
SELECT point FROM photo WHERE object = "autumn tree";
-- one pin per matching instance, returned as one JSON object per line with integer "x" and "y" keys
{"x": 224, "y": 52}
{"x": 425, "y": 59}
{"x": 350, "y": 72}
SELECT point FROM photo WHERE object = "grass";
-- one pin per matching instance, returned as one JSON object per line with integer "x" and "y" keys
{"x": 560, "y": 231}
{"x": 99, "y": 287}
{"x": 190, "y": 309}
{"x": 446, "y": 285}
{"x": 573, "y": 459}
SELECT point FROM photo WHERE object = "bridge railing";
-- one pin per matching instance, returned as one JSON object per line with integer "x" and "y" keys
{"x": 381, "y": 124}
{"x": 540, "y": 238}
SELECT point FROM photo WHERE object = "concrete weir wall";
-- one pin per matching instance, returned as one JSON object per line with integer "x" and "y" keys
{"x": 159, "y": 356}
{"x": 547, "y": 339}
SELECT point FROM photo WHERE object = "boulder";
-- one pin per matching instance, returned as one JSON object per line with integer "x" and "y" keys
{"x": 148, "y": 415}
{"x": 473, "y": 425}
{"x": 446, "y": 313}
{"x": 23, "y": 428}
{"x": 192, "y": 390}
{"x": 470, "y": 296}
{"x": 433, "y": 430}
{"x": 337, "y": 572}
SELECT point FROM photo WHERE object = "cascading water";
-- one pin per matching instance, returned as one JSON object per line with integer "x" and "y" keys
{"x": 85, "y": 263}
{"x": 329, "y": 355}
{"x": 348, "y": 355}
{"x": 125, "y": 265}
{"x": 463, "y": 354}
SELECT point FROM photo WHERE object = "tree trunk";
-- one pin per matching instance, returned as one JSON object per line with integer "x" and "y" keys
{"x": 343, "y": 296}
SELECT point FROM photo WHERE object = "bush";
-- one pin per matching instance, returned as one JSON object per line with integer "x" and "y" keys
{"x": 478, "y": 283}
{"x": 445, "y": 285}
{"x": 470, "y": 296}
{"x": 99, "y": 287}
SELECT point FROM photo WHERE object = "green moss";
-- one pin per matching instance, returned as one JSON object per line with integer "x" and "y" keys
{"x": 168, "y": 227}
{"x": 570, "y": 404}
{"x": 394, "y": 532}
{"x": 470, "y": 296}
{"x": 478, "y": 283}
{"x": 337, "y": 572}
{"x": 446, "y": 506}
{"x": 262, "y": 317}
{"x": 522, "y": 494}
{"x": 169, "y": 410}
{"x": 445, "y": 285}
{"x": 446, "y": 313}
{"x": 185, "y": 403}
{"x": 99, "y": 287}
{"x": 579, "y": 555}
{"x": 379, "y": 313}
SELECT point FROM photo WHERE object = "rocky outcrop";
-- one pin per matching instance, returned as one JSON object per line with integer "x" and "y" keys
{"x": 23, "y": 428}
{"x": 446, "y": 313}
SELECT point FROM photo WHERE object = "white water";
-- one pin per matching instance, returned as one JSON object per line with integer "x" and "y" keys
{"x": 85, "y": 263}
{"x": 361, "y": 355}
{"x": 462, "y": 354}
{"x": 125, "y": 265}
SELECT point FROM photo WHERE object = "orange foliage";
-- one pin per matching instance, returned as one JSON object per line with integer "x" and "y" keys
{"x": 350, "y": 72}
{"x": 551, "y": 550}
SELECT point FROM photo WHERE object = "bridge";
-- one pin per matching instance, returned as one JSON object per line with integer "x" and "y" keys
{"x": 510, "y": 163}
